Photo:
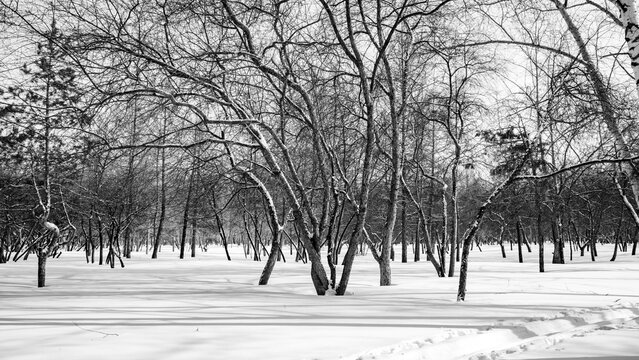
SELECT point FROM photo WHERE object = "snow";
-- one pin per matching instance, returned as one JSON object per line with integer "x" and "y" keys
{"x": 210, "y": 308}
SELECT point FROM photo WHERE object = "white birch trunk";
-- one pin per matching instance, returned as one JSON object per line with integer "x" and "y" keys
{"x": 628, "y": 17}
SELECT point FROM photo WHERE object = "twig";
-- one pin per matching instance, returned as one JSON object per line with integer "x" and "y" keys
{"x": 96, "y": 331}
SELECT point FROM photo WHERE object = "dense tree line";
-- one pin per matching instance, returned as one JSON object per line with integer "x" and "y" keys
{"x": 315, "y": 131}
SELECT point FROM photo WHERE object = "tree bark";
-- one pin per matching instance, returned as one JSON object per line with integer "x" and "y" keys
{"x": 614, "y": 254}
{"x": 418, "y": 241}
{"x": 101, "y": 241}
{"x": 558, "y": 251}
{"x": 158, "y": 235}
{"x": 5, "y": 239}
{"x": 185, "y": 219}
{"x": 404, "y": 241}
{"x": 42, "y": 267}
{"x": 520, "y": 241}
{"x": 628, "y": 17}
{"x": 194, "y": 230}
{"x": 454, "y": 230}
{"x": 276, "y": 228}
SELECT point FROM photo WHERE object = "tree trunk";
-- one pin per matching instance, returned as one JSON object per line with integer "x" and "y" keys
{"x": 158, "y": 235}
{"x": 501, "y": 242}
{"x": 404, "y": 241}
{"x": 42, "y": 267}
{"x": 600, "y": 88}
{"x": 525, "y": 237}
{"x": 463, "y": 269}
{"x": 391, "y": 215}
{"x": 418, "y": 250}
{"x": 628, "y": 12}
{"x": 101, "y": 241}
{"x": 540, "y": 233}
{"x": 2, "y": 242}
{"x": 272, "y": 258}
{"x": 194, "y": 230}
{"x": 220, "y": 227}
{"x": 455, "y": 225}
{"x": 520, "y": 241}
{"x": 444, "y": 237}
{"x": 570, "y": 245}
{"x": 276, "y": 228}
{"x": 423, "y": 220}
{"x": 558, "y": 251}
{"x": 185, "y": 220}
{"x": 614, "y": 254}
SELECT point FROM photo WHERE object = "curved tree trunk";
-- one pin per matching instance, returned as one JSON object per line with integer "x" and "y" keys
{"x": 424, "y": 223}
{"x": 463, "y": 269}
{"x": 601, "y": 91}
{"x": 276, "y": 228}
{"x": 272, "y": 258}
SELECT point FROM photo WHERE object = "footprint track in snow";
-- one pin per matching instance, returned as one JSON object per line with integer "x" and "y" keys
{"x": 504, "y": 338}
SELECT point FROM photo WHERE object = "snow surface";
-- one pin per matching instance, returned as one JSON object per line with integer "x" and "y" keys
{"x": 209, "y": 308}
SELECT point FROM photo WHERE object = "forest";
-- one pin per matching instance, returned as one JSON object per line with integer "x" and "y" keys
{"x": 318, "y": 131}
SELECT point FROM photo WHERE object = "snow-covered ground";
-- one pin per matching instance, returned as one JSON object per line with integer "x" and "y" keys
{"x": 209, "y": 308}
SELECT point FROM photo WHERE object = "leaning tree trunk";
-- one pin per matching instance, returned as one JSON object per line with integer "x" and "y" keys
{"x": 614, "y": 253}
{"x": 276, "y": 228}
{"x": 463, "y": 269}
{"x": 318, "y": 273}
{"x": 220, "y": 227}
{"x": 272, "y": 257}
{"x": 601, "y": 90}
{"x": 439, "y": 269}
{"x": 311, "y": 239}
